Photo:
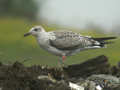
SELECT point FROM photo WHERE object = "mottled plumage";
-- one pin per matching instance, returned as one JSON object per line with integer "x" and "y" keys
{"x": 65, "y": 43}
{"x": 68, "y": 40}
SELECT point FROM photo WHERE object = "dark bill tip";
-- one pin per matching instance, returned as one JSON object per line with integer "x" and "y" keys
{"x": 26, "y": 34}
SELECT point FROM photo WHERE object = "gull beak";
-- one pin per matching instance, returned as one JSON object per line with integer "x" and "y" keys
{"x": 27, "y": 34}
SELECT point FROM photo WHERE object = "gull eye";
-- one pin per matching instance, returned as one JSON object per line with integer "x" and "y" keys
{"x": 35, "y": 29}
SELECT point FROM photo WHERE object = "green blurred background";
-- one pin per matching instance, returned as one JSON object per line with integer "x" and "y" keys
{"x": 18, "y": 16}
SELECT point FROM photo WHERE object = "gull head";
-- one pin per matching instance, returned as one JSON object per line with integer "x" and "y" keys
{"x": 35, "y": 31}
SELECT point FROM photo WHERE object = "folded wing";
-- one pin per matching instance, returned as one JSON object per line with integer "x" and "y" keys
{"x": 68, "y": 40}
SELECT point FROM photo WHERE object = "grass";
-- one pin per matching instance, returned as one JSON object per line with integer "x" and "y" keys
{"x": 14, "y": 47}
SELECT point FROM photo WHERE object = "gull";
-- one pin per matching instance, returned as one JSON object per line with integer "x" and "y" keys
{"x": 66, "y": 43}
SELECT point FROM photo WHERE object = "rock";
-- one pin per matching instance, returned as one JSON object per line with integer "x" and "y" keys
{"x": 74, "y": 86}
{"x": 105, "y": 80}
{"x": 86, "y": 76}
{"x": 91, "y": 66}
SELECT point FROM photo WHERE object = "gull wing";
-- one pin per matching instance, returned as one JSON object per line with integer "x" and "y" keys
{"x": 68, "y": 40}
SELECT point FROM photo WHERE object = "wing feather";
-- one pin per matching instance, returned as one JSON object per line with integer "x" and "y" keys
{"x": 68, "y": 40}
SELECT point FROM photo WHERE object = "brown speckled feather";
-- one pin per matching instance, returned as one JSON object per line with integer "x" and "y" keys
{"x": 68, "y": 40}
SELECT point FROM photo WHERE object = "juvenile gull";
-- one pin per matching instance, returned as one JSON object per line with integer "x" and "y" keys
{"x": 65, "y": 43}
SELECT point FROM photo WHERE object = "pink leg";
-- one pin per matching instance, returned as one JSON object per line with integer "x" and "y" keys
{"x": 62, "y": 61}
{"x": 63, "y": 58}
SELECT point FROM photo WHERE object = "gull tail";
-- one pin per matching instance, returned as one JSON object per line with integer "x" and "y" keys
{"x": 104, "y": 41}
{"x": 104, "y": 38}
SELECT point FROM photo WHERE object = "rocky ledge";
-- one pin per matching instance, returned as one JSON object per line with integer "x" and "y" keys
{"x": 93, "y": 74}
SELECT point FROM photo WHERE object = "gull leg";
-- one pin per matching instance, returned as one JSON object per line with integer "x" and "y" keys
{"x": 60, "y": 64}
{"x": 63, "y": 58}
{"x": 61, "y": 61}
